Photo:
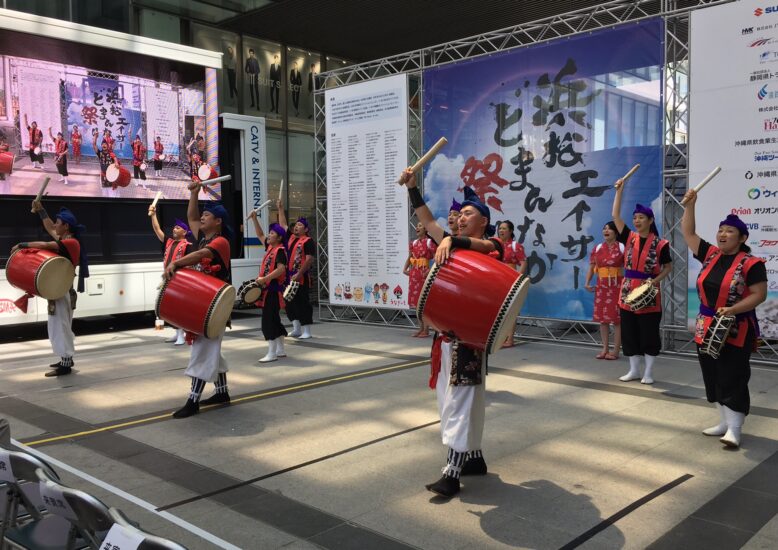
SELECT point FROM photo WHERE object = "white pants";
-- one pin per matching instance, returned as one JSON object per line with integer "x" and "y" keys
{"x": 61, "y": 328}
{"x": 462, "y": 408}
{"x": 206, "y": 360}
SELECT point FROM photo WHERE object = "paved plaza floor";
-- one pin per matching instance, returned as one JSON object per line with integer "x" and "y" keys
{"x": 331, "y": 447}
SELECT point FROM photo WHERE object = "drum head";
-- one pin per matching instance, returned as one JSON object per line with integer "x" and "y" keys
{"x": 143, "y": 166}
{"x": 112, "y": 173}
{"x": 636, "y": 293}
{"x": 204, "y": 172}
{"x": 54, "y": 278}
{"x": 506, "y": 320}
{"x": 220, "y": 311}
{"x": 162, "y": 156}
{"x": 252, "y": 295}
{"x": 37, "y": 150}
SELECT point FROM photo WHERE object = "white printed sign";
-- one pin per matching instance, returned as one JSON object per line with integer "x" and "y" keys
{"x": 6, "y": 473}
{"x": 55, "y": 501}
{"x": 121, "y": 538}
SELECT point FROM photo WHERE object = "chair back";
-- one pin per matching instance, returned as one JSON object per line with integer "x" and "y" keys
{"x": 129, "y": 531}
{"x": 80, "y": 508}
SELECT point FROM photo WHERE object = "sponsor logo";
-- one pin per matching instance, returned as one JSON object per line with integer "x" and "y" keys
{"x": 769, "y": 229}
{"x": 749, "y": 175}
{"x": 758, "y": 12}
{"x": 740, "y": 211}
{"x": 7, "y": 306}
{"x": 767, "y": 244}
{"x": 753, "y": 226}
{"x": 761, "y": 192}
{"x": 769, "y": 10}
{"x": 747, "y": 30}
{"x": 760, "y": 42}
{"x": 762, "y": 93}
{"x": 768, "y": 56}
{"x": 765, "y": 156}
{"x": 770, "y": 124}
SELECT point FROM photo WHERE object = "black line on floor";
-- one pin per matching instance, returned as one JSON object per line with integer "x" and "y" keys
{"x": 607, "y": 522}
{"x": 296, "y": 466}
{"x": 731, "y": 518}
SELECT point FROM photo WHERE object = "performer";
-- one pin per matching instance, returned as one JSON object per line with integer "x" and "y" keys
{"x": 212, "y": 256}
{"x": 195, "y": 165}
{"x": 453, "y": 218}
{"x": 646, "y": 258}
{"x": 272, "y": 277}
{"x": 458, "y": 370}
{"x": 513, "y": 255}
{"x": 420, "y": 251}
{"x": 607, "y": 261}
{"x": 67, "y": 234}
{"x": 60, "y": 155}
{"x": 138, "y": 158}
{"x": 105, "y": 157}
{"x": 158, "y": 150}
{"x": 76, "y": 139}
{"x": 176, "y": 247}
{"x": 731, "y": 282}
{"x": 302, "y": 251}
{"x": 36, "y": 141}
{"x": 108, "y": 140}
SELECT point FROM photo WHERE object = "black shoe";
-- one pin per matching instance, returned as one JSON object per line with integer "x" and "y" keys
{"x": 56, "y": 365}
{"x": 474, "y": 467}
{"x": 58, "y": 371}
{"x": 445, "y": 487}
{"x": 217, "y": 399}
{"x": 189, "y": 409}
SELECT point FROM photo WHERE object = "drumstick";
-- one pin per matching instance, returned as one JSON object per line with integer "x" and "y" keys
{"x": 704, "y": 182}
{"x": 428, "y": 156}
{"x": 281, "y": 190}
{"x": 41, "y": 191}
{"x": 260, "y": 207}
{"x": 154, "y": 204}
{"x": 216, "y": 180}
{"x": 628, "y": 175}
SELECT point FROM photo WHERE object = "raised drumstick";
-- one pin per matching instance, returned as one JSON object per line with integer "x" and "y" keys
{"x": 216, "y": 180}
{"x": 628, "y": 175}
{"x": 704, "y": 182}
{"x": 41, "y": 191}
{"x": 260, "y": 207}
{"x": 428, "y": 156}
{"x": 281, "y": 190}
{"x": 154, "y": 203}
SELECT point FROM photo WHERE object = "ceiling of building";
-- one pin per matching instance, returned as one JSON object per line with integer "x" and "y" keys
{"x": 361, "y": 30}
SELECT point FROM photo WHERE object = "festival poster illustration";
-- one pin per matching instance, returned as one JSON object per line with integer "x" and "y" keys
{"x": 541, "y": 134}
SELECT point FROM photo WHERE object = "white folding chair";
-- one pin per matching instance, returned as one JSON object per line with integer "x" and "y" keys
{"x": 137, "y": 538}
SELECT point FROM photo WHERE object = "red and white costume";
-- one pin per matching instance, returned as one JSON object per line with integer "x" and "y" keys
{"x": 421, "y": 251}
{"x": 608, "y": 262}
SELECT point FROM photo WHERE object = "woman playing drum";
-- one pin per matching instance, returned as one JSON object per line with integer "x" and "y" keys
{"x": 302, "y": 251}
{"x": 159, "y": 149}
{"x": 420, "y": 251}
{"x": 60, "y": 155}
{"x": 272, "y": 278}
{"x": 732, "y": 282}
{"x": 67, "y": 233}
{"x": 513, "y": 255}
{"x": 646, "y": 262}
{"x": 458, "y": 370}
{"x": 607, "y": 261}
{"x": 212, "y": 256}
{"x": 176, "y": 247}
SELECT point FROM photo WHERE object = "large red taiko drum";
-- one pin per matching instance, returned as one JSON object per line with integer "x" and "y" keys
{"x": 206, "y": 172}
{"x": 118, "y": 175}
{"x": 6, "y": 163}
{"x": 473, "y": 298}
{"x": 196, "y": 302}
{"x": 40, "y": 272}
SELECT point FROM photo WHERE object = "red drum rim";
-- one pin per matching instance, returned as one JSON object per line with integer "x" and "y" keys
{"x": 212, "y": 326}
{"x": 49, "y": 293}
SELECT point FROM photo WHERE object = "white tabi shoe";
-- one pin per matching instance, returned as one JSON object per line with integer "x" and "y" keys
{"x": 271, "y": 353}
{"x": 296, "y": 329}
{"x": 720, "y": 428}
{"x": 734, "y": 426}
{"x": 306, "y": 332}
{"x": 180, "y": 337}
{"x": 280, "y": 351}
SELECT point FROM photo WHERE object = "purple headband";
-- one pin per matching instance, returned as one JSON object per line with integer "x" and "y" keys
{"x": 645, "y": 210}
{"x": 183, "y": 226}
{"x": 455, "y": 206}
{"x": 733, "y": 221}
{"x": 278, "y": 229}
{"x": 303, "y": 221}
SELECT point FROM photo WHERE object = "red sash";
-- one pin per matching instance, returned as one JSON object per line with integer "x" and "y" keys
{"x": 654, "y": 246}
{"x": 174, "y": 250}
{"x": 268, "y": 266}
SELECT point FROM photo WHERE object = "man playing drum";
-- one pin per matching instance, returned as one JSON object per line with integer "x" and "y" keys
{"x": 302, "y": 251}
{"x": 646, "y": 262}
{"x": 66, "y": 233}
{"x": 731, "y": 282}
{"x": 458, "y": 370}
{"x": 212, "y": 256}
{"x": 35, "y": 144}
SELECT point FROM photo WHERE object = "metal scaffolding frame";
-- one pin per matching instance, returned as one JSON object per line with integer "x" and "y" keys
{"x": 676, "y": 15}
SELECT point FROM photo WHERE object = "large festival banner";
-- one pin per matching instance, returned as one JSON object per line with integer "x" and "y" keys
{"x": 541, "y": 134}
{"x": 367, "y": 211}
{"x": 734, "y": 124}
{"x": 162, "y": 110}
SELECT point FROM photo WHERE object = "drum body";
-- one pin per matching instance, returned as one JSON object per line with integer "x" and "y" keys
{"x": 291, "y": 291}
{"x": 118, "y": 175}
{"x": 716, "y": 336}
{"x": 250, "y": 292}
{"x": 143, "y": 166}
{"x": 40, "y": 272}
{"x": 473, "y": 297}
{"x": 206, "y": 172}
{"x": 196, "y": 302}
{"x": 642, "y": 296}
{"x": 6, "y": 163}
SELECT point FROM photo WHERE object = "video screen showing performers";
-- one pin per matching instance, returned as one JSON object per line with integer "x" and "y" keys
{"x": 101, "y": 134}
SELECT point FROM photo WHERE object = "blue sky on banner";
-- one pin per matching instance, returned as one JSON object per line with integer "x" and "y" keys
{"x": 541, "y": 133}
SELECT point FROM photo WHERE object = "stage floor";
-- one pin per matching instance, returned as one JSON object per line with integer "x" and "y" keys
{"x": 331, "y": 447}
